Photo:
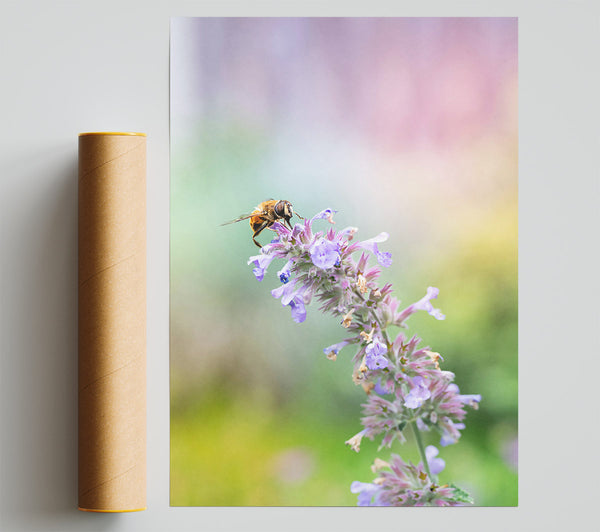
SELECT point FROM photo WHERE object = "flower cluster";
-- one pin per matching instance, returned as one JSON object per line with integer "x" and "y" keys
{"x": 404, "y": 383}
{"x": 404, "y": 484}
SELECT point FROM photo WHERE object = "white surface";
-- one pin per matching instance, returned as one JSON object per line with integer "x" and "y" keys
{"x": 85, "y": 66}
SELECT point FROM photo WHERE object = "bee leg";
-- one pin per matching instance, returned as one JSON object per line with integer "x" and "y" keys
{"x": 258, "y": 230}
{"x": 287, "y": 221}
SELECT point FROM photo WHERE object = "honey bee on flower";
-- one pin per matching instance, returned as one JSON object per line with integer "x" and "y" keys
{"x": 265, "y": 215}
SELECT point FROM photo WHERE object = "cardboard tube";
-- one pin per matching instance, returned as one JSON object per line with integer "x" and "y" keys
{"x": 112, "y": 322}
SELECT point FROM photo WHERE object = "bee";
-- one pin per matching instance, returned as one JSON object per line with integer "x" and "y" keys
{"x": 266, "y": 214}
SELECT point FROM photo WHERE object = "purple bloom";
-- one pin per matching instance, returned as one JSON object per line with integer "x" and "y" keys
{"x": 421, "y": 425}
{"x": 327, "y": 214}
{"x": 385, "y": 259}
{"x": 375, "y": 355}
{"x": 367, "y": 493}
{"x": 334, "y": 349}
{"x": 282, "y": 233}
{"x": 471, "y": 400}
{"x": 436, "y": 465}
{"x": 298, "y": 309}
{"x": 261, "y": 263}
{"x": 451, "y": 432}
{"x": 348, "y": 232}
{"x": 418, "y": 394}
{"x": 298, "y": 228}
{"x": 292, "y": 297}
{"x": 259, "y": 273}
{"x": 425, "y": 304}
{"x": 422, "y": 304}
{"x": 287, "y": 292}
{"x": 383, "y": 389}
{"x": 325, "y": 253}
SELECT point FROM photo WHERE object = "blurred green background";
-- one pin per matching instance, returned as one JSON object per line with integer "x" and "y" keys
{"x": 402, "y": 125}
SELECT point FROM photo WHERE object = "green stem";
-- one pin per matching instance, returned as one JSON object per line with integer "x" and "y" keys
{"x": 376, "y": 318}
{"x": 419, "y": 441}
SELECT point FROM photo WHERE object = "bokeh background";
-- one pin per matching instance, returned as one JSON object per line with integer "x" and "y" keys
{"x": 402, "y": 125}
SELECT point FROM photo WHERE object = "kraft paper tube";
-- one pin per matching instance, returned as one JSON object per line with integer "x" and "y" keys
{"x": 112, "y": 322}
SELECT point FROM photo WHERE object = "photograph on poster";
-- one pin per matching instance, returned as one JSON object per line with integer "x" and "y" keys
{"x": 343, "y": 290}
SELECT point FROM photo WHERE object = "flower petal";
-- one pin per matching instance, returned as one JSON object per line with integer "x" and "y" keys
{"x": 326, "y": 214}
{"x": 384, "y": 258}
{"x": 324, "y": 253}
{"x": 298, "y": 310}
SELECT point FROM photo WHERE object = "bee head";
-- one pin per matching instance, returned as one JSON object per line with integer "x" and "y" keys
{"x": 284, "y": 209}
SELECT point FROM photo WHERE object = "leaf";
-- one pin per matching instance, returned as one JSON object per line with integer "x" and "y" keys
{"x": 461, "y": 495}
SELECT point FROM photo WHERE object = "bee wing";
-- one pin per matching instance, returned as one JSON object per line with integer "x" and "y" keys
{"x": 240, "y": 218}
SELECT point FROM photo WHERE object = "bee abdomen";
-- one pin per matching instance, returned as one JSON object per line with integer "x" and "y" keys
{"x": 256, "y": 222}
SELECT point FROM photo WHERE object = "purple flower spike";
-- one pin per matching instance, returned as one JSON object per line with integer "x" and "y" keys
{"x": 324, "y": 253}
{"x": 375, "y": 355}
{"x": 418, "y": 394}
{"x": 403, "y": 383}
{"x": 436, "y": 465}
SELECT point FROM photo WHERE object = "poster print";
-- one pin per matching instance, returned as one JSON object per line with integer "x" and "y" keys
{"x": 351, "y": 338}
